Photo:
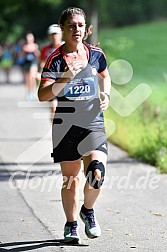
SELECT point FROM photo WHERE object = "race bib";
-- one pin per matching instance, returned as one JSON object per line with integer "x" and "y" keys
{"x": 80, "y": 89}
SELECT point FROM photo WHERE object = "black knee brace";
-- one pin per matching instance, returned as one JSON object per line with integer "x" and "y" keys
{"x": 95, "y": 164}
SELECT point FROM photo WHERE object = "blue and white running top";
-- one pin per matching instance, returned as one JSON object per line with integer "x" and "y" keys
{"x": 81, "y": 94}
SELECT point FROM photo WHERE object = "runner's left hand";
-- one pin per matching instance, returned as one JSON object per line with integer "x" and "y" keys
{"x": 104, "y": 101}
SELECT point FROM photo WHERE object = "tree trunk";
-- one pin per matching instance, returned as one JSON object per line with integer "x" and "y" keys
{"x": 92, "y": 13}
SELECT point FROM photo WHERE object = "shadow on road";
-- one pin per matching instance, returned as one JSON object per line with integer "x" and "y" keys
{"x": 31, "y": 245}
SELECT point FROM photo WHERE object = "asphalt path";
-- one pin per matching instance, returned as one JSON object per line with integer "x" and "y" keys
{"x": 131, "y": 209}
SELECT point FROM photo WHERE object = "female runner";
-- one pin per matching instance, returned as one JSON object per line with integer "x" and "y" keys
{"x": 76, "y": 74}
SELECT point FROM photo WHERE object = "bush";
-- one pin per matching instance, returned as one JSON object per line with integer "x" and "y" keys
{"x": 153, "y": 144}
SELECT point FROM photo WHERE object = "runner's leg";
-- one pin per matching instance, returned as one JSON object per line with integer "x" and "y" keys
{"x": 70, "y": 189}
{"x": 91, "y": 194}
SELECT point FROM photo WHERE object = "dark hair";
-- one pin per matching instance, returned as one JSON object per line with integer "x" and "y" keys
{"x": 69, "y": 12}
{"x": 72, "y": 11}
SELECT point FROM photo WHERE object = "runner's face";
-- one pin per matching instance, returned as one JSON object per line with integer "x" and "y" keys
{"x": 30, "y": 38}
{"x": 74, "y": 28}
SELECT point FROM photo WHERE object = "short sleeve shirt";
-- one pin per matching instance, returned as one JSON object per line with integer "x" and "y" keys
{"x": 82, "y": 91}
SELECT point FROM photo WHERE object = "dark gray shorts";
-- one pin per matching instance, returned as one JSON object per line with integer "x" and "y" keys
{"x": 77, "y": 142}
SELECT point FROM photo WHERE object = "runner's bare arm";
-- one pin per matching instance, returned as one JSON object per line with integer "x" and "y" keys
{"x": 105, "y": 87}
{"x": 48, "y": 90}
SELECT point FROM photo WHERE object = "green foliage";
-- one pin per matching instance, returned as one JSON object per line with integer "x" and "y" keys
{"x": 52, "y": 2}
{"x": 153, "y": 144}
{"x": 143, "y": 133}
{"x": 118, "y": 46}
{"x": 19, "y": 16}
{"x": 125, "y": 12}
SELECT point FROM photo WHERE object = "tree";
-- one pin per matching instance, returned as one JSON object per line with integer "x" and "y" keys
{"x": 19, "y": 16}
{"x": 92, "y": 13}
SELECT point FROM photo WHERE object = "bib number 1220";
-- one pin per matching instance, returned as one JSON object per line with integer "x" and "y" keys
{"x": 79, "y": 89}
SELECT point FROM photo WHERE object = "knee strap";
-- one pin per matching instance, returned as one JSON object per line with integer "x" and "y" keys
{"x": 95, "y": 164}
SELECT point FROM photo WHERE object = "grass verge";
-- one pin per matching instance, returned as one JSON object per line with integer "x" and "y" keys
{"x": 142, "y": 130}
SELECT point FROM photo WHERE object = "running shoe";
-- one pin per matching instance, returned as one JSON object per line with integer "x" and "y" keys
{"x": 92, "y": 228}
{"x": 71, "y": 234}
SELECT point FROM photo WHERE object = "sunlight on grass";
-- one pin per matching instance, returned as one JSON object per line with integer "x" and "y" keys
{"x": 142, "y": 133}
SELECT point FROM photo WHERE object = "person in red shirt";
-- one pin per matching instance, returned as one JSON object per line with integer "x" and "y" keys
{"x": 55, "y": 38}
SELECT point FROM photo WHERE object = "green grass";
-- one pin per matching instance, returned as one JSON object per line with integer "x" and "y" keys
{"x": 143, "y": 132}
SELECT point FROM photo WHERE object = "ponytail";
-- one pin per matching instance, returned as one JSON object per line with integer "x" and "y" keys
{"x": 88, "y": 32}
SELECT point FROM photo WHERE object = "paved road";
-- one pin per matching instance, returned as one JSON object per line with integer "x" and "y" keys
{"x": 132, "y": 207}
